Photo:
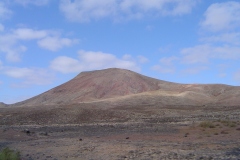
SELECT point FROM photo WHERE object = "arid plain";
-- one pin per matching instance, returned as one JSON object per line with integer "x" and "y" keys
{"x": 120, "y": 114}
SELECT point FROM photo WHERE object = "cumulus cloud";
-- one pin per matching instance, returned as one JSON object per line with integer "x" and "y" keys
{"x": 87, "y": 10}
{"x": 203, "y": 53}
{"x": 33, "y": 2}
{"x": 10, "y": 42}
{"x": 142, "y": 59}
{"x": 230, "y": 38}
{"x": 163, "y": 69}
{"x": 9, "y": 46}
{"x": 4, "y": 11}
{"x": 29, "y": 34}
{"x": 237, "y": 76}
{"x": 168, "y": 60}
{"x": 84, "y": 10}
{"x": 222, "y": 16}
{"x": 29, "y": 76}
{"x": 220, "y": 44}
{"x": 1, "y": 27}
{"x": 66, "y": 64}
{"x": 198, "y": 55}
{"x": 127, "y": 57}
{"x": 89, "y": 60}
{"x": 56, "y": 43}
{"x": 166, "y": 65}
{"x": 195, "y": 70}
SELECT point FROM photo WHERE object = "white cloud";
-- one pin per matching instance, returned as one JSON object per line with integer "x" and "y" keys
{"x": 196, "y": 54}
{"x": 84, "y": 10}
{"x": 4, "y": 11}
{"x": 166, "y": 65}
{"x": 8, "y": 45}
{"x": 127, "y": 57}
{"x": 34, "y": 2}
{"x": 29, "y": 76}
{"x": 100, "y": 60}
{"x": 142, "y": 59}
{"x": 237, "y": 76}
{"x": 14, "y": 54}
{"x": 17, "y": 72}
{"x": 163, "y": 69}
{"x": 168, "y": 60}
{"x": 87, "y": 10}
{"x": 56, "y": 43}
{"x": 89, "y": 60}
{"x": 1, "y": 64}
{"x": 195, "y": 70}
{"x": 222, "y": 16}
{"x": 203, "y": 53}
{"x": 230, "y": 38}
{"x": 29, "y": 34}
{"x": 166, "y": 7}
{"x": 10, "y": 42}
{"x": 66, "y": 64}
{"x": 1, "y": 27}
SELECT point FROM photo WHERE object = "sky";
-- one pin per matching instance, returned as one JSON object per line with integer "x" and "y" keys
{"x": 44, "y": 43}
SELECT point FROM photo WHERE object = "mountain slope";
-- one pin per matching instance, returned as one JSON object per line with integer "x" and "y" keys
{"x": 102, "y": 84}
{"x": 120, "y": 85}
{"x": 2, "y": 104}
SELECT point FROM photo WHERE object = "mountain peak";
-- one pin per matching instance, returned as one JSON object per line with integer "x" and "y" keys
{"x": 95, "y": 85}
{"x": 106, "y": 71}
{"x": 114, "y": 83}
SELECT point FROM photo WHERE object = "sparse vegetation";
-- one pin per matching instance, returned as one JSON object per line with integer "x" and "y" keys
{"x": 232, "y": 125}
{"x": 207, "y": 124}
{"x": 229, "y": 123}
{"x": 219, "y": 124}
{"x": 8, "y": 154}
{"x": 224, "y": 132}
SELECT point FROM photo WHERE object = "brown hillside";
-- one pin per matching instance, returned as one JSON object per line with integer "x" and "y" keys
{"x": 127, "y": 87}
{"x": 2, "y": 104}
{"x": 101, "y": 84}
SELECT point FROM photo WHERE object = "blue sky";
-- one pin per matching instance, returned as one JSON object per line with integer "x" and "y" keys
{"x": 44, "y": 43}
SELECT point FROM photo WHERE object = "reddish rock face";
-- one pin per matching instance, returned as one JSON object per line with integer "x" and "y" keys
{"x": 106, "y": 84}
{"x": 115, "y": 83}
{"x": 95, "y": 85}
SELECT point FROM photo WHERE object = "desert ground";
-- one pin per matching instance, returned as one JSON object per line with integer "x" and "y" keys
{"x": 138, "y": 132}
{"x": 104, "y": 116}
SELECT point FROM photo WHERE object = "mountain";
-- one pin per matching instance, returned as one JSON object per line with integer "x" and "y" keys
{"x": 126, "y": 87}
{"x": 95, "y": 85}
{"x": 2, "y": 104}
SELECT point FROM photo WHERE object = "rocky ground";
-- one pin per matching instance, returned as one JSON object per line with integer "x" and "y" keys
{"x": 140, "y": 133}
{"x": 118, "y": 114}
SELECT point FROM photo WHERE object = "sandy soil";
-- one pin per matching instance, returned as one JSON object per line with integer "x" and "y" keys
{"x": 134, "y": 132}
